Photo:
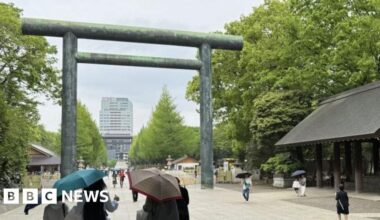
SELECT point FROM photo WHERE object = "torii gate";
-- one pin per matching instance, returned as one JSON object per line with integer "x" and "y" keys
{"x": 71, "y": 31}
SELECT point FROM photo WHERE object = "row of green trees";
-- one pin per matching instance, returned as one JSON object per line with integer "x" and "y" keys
{"x": 296, "y": 53}
{"x": 165, "y": 134}
{"x": 26, "y": 72}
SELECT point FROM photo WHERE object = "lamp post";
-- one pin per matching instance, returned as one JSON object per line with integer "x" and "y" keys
{"x": 80, "y": 163}
{"x": 169, "y": 162}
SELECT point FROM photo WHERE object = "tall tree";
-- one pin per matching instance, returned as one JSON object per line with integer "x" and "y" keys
{"x": 313, "y": 49}
{"x": 26, "y": 64}
{"x": 15, "y": 134}
{"x": 165, "y": 134}
{"x": 26, "y": 70}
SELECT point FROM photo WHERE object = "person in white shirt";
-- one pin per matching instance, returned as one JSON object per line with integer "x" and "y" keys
{"x": 302, "y": 181}
{"x": 247, "y": 184}
{"x": 296, "y": 186}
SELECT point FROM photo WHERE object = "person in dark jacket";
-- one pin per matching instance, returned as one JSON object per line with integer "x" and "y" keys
{"x": 342, "y": 202}
{"x": 166, "y": 210}
{"x": 183, "y": 203}
{"x": 97, "y": 210}
{"x": 135, "y": 195}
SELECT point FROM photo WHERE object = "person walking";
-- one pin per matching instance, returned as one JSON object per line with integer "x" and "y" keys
{"x": 165, "y": 210}
{"x": 56, "y": 211}
{"x": 247, "y": 184}
{"x": 182, "y": 203}
{"x": 342, "y": 202}
{"x": 296, "y": 186}
{"x": 97, "y": 210}
{"x": 135, "y": 195}
{"x": 114, "y": 179}
{"x": 302, "y": 190}
{"x": 121, "y": 178}
{"x": 195, "y": 175}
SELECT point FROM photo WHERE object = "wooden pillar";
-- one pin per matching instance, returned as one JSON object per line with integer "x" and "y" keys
{"x": 318, "y": 165}
{"x": 375, "y": 155}
{"x": 336, "y": 165}
{"x": 358, "y": 167}
{"x": 348, "y": 160}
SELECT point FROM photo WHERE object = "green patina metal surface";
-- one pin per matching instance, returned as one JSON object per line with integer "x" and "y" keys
{"x": 126, "y": 60}
{"x": 70, "y": 31}
{"x": 207, "y": 175}
{"x": 69, "y": 103}
{"x": 129, "y": 34}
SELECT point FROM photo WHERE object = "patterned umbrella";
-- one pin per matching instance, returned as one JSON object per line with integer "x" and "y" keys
{"x": 155, "y": 184}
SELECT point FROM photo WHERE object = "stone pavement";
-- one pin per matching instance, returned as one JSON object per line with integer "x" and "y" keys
{"x": 228, "y": 204}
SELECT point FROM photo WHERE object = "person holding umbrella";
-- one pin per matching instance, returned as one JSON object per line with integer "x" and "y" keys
{"x": 90, "y": 180}
{"x": 182, "y": 204}
{"x": 301, "y": 179}
{"x": 56, "y": 211}
{"x": 246, "y": 183}
{"x": 161, "y": 210}
{"x": 296, "y": 186}
{"x": 97, "y": 210}
{"x": 161, "y": 192}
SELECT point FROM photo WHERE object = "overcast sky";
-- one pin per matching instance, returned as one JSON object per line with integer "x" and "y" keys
{"x": 141, "y": 85}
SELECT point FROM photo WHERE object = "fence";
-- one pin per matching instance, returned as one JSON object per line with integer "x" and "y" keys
{"x": 45, "y": 180}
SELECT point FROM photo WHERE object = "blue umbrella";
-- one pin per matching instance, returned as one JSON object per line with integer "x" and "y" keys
{"x": 78, "y": 180}
{"x": 298, "y": 173}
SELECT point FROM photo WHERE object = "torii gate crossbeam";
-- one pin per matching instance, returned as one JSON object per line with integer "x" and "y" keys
{"x": 71, "y": 31}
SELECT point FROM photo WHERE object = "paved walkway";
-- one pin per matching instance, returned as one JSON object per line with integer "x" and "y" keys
{"x": 222, "y": 203}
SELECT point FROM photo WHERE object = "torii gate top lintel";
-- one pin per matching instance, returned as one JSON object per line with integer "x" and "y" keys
{"x": 57, "y": 28}
{"x": 71, "y": 31}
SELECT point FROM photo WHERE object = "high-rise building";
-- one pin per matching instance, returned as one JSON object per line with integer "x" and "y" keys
{"x": 116, "y": 116}
{"x": 116, "y": 126}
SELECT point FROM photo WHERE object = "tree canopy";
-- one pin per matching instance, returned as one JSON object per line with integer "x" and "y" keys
{"x": 296, "y": 53}
{"x": 26, "y": 70}
{"x": 165, "y": 134}
{"x": 90, "y": 145}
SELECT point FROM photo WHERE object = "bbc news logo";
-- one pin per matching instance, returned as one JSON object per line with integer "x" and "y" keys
{"x": 49, "y": 196}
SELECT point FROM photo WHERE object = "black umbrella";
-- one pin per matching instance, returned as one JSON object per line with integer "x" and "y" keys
{"x": 298, "y": 173}
{"x": 243, "y": 175}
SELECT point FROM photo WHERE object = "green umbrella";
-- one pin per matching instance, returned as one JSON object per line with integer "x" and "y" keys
{"x": 78, "y": 179}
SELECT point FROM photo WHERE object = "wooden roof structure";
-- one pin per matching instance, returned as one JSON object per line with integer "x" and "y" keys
{"x": 348, "y": 116}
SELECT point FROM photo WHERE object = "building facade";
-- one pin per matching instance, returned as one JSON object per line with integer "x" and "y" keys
{"x": 116, "y": 126}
